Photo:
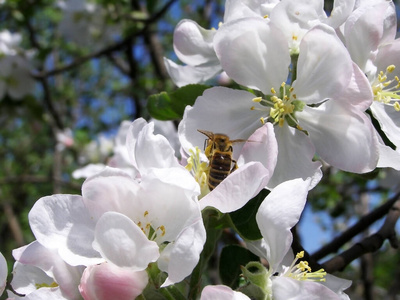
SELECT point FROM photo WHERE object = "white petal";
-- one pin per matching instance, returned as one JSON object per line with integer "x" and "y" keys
{"x": 212, "y": 292}
{"x": 338, "y": 285}
{"x": 284, "y": 288}
{"x": 25, "y": 278}
{"x": 193, "y": 44}
{"x": 66, "y": 276}
{"x": 342, "y": 135}
{"x": 87, "y": 171}
{"x": 184, "y": 75}
{"x": 253, "y": 53}
{"x": 219, "y": 110}
{"x": 322, "y": 62}
{"x": 278, "y": 213}
{"x": 365, "y": 29}
{"x": 295, "y": 154}
{"x": 185, "y": 252}
{"x": 149, "y": 150}
{"x": 358, "y": 92}
{"x": 238, "y": 188}
{"x": 389, "y": 121}
{"x": 123, "y": 243}
{"x": 340, "y": 12}
{"x": 388, "y": 158}
{"x": 62, "y": 222}
{"x": 3, "y": 273}
{"x": 110, "y": 190}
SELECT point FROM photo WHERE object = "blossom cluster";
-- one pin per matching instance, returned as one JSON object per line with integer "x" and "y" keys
{"x": 309, "y": 86}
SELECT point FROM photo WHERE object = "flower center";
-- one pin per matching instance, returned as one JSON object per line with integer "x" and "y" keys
{"x": 387, "y": 90}
{"x": 280, "y": 108}
{"x": 302, "y": 271}
{"x": 151, "y": 232}
{"x": 198, "y": 169}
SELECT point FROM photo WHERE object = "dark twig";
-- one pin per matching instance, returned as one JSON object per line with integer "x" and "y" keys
{"x": 369, "y": 244}
{"x": 357, "y": 228}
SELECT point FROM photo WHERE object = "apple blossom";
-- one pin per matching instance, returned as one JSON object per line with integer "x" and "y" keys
{"x": 287, "y": 278}
{"x": 40, "y": 271}
{"x": 193, "y": 45}
{"x": 126, "y": 222}
{"x": 369, "y": 35}
{"x": 319, "y": 109}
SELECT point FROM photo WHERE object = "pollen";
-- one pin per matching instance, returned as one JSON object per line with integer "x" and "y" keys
{"x": 302, "y": 271}
{"x": 386, "y": 88}
{"x": 198, "y": 169}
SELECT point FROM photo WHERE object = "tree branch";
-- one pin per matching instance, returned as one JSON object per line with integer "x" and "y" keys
{"x": 357, "y": 228}
{"x": 369, "y": 244}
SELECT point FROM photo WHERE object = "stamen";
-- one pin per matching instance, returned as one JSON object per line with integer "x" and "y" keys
{"x": 302, "y": 271}
{"x": 198, "y": 169}
{"x": 385, "y": 94}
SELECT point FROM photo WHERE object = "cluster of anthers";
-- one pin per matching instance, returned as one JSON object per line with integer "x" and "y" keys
{"x": 151, "y": 232}
{"x": 382, "y": 93}
{"x": 198, "y": 169}
{"x": 302, "y": 271}
{"x": 280, "y": 108}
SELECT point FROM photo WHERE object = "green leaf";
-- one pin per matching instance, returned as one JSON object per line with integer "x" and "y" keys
{"x": 231, "y": 259}
{"x": 170, "y": 106}
{"x": 244, "y": 219}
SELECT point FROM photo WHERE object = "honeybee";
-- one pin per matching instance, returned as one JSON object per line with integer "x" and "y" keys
{"x": 218, "y": 149}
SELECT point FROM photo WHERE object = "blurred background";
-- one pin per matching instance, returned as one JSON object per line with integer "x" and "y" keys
{"x": 70, "y": 73}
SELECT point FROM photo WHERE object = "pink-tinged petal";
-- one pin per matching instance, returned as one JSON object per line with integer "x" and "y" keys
{"x": 62, "y": 222}
{"x": 359, "y": 92}
{"x": 149, "y": 150}
{"x": 389, "y": 121}
{"x": 388, "y": 54}
{"x": 123, "y": 243}
{"x": 109, "y": 190}
{"x": 277, "y": 214}
{"x": 254, "y": 53}
{"x": 342, "y": 135}
{"x": 238, "y": 188}
{"x": 340, "y": 12}
{"x": 193, "y": 44}
{"x": 107, "y": 281}
{"x": 3, "y": 273}
{"x": 284, "y": 288}
{"x": 185, "y": 252}
{"x": 322, "y": 67}
{"x": 220, "y": 110}
{"x": 184, "y": 75}
{"x": 212, "y": 292}
{"x": 261, "y": 146}
{"x": 367, "y": 27}
{"x": 295, "y": 154}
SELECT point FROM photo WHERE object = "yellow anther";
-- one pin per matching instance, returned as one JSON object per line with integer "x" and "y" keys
{"x": 396, "y": 106}
{"x": 146, "y": 213}
{"x": 162, "y": 228}
{"x": 262, "y": 120}
{"x": 252, "y": 108}
{"x": 273, "y": 91}
{"x": 294, "y": 37}
{"x": 281, "y": 122}
{"x": 266, "y": 17}
{"x": 390, "y": 68}
{"x": 257, "y": 99}
{"x": 283, "y": 84}
{"x": 300, "y": 254}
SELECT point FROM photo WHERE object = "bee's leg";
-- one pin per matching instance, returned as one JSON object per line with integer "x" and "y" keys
{"x": 234, "y": 165}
